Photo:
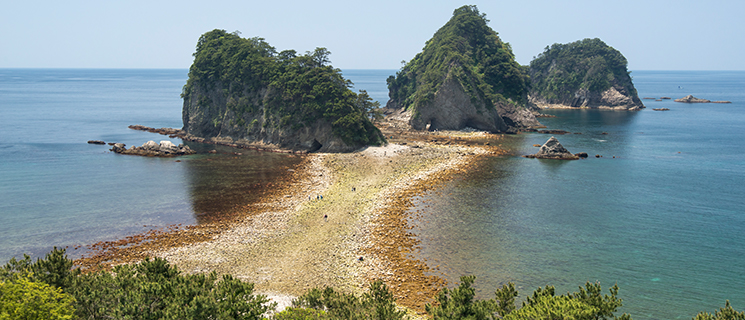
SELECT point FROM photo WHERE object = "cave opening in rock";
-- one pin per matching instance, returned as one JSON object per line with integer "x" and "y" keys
{"x": 315, "y": 146}
{"x": 431, "y": 125}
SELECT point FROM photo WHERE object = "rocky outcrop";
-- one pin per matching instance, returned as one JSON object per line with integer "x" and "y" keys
{"x": 553, "y": 149}
{"x": 452, "y": 109}
{"x": 241, "y": 91}
{"x": 464, "y": 77}
{"x": 582, "y": 74}
{"x": 171, "y": 132}
{"x": 691, "y": 99}
{"x": 152, "y": 149}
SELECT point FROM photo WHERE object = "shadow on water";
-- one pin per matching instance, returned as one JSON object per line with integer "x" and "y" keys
{"x": 553, "y": 165}
{"x": 223, "y": 182}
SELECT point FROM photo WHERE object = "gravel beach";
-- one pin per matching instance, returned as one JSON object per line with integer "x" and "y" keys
{"x": 341, "y": 222}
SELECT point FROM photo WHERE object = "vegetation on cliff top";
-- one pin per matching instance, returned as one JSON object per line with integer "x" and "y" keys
{"x": 563, "y": 69}
{"x": 285, "y": 90}
{"x": 468, "y": 49}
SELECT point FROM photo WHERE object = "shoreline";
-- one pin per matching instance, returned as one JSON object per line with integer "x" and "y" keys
{"x": 293, "y": 240}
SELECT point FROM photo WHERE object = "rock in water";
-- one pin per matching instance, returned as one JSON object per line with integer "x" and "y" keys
{"x": 118, "y": 147}
{"x": 464, "y": 77}
{"x": 150, "y": 146}
{"x": 691, "y": 99}
{"x": 151, "y": 149}
{"x": 553, "y": 149}
{"x": 167, "y": 147}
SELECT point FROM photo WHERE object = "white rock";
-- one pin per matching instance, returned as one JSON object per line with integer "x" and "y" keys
{"x": 168, "y": 147}
{"x": 151, "y": 145}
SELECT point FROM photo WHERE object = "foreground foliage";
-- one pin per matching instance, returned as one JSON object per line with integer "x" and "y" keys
{"x": 377, "y": 303}
{"x": 23, "y": 298}
{"x": 50, "y": 288}
{"x": 152, "y": 289}
{"x": 588, "y": 303}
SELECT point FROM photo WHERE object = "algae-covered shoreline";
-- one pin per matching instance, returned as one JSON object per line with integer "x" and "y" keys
{"x": 341, "y": 222}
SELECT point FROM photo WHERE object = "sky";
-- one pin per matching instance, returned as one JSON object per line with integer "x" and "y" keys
{"x": 652, "y": 35}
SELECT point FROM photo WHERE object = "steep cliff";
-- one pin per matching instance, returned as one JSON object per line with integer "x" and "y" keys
{"x": 242, "y": 91}
{"x": 464, "y": 77}
{"x": 582, "y": 74}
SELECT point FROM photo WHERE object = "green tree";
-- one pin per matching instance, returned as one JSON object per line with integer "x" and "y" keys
{"x": 459, "y": 303}
{"x": 377, "y": 303}
{"x": 54, "y": 269}
{"x": 368, "y": 107}
{"x": 588, "y": 303}
{"x": 23, "y": 298}
{"x": 725, "y": 313}
{"x": 153, "y": 289}
{"x": 320, "y": 56}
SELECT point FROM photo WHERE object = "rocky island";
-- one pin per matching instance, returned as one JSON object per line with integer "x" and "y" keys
{"x": 464, "y": 77}
{"x": 243, "y": 92}
{"x": 691, "y": 99}
{"x": 152, "y": 149}
{"x": 582, "y": 74}
{"x": 553, "y": 149}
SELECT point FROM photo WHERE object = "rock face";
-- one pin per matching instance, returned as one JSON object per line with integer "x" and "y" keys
{"x": 582, "y": 74}
{"x": 464, "y": 77}
{"x": 452, "y": 109}
{"x": 151, "y": 149}
{"x": 241, "y": 91}
{"x": 553, "y": 149}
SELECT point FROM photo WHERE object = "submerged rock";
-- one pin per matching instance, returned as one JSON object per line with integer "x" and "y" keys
{"x": 553, "y": 149}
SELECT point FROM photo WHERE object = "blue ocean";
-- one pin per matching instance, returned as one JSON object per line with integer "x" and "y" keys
{"x": 660, "y": 213}
{"x": 58, "y": 190}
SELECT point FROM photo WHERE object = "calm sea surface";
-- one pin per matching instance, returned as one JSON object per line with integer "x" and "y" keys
{"x": 664, "y": 219}
{"x": 57, "y": 190}
{"x": 661, "y": 213}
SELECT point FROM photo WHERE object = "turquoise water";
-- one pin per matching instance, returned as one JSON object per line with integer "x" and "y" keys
{"x": 57, "y": 190}
{"x": 664, "y": 219}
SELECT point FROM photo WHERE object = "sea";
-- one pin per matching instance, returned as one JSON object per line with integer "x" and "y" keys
{"x": 658, "y": 208}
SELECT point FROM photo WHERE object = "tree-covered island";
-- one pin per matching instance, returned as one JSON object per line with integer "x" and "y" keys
{"x": 465, "y": 76}
{"x": 243, "y": 91}
{"x": 582, "y": 74}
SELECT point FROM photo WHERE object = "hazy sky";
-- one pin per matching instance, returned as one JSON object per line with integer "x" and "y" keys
{"x": 653, "y": 35}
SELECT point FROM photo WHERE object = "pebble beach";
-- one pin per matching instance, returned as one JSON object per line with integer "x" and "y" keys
{"x": 341, "y": 222}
